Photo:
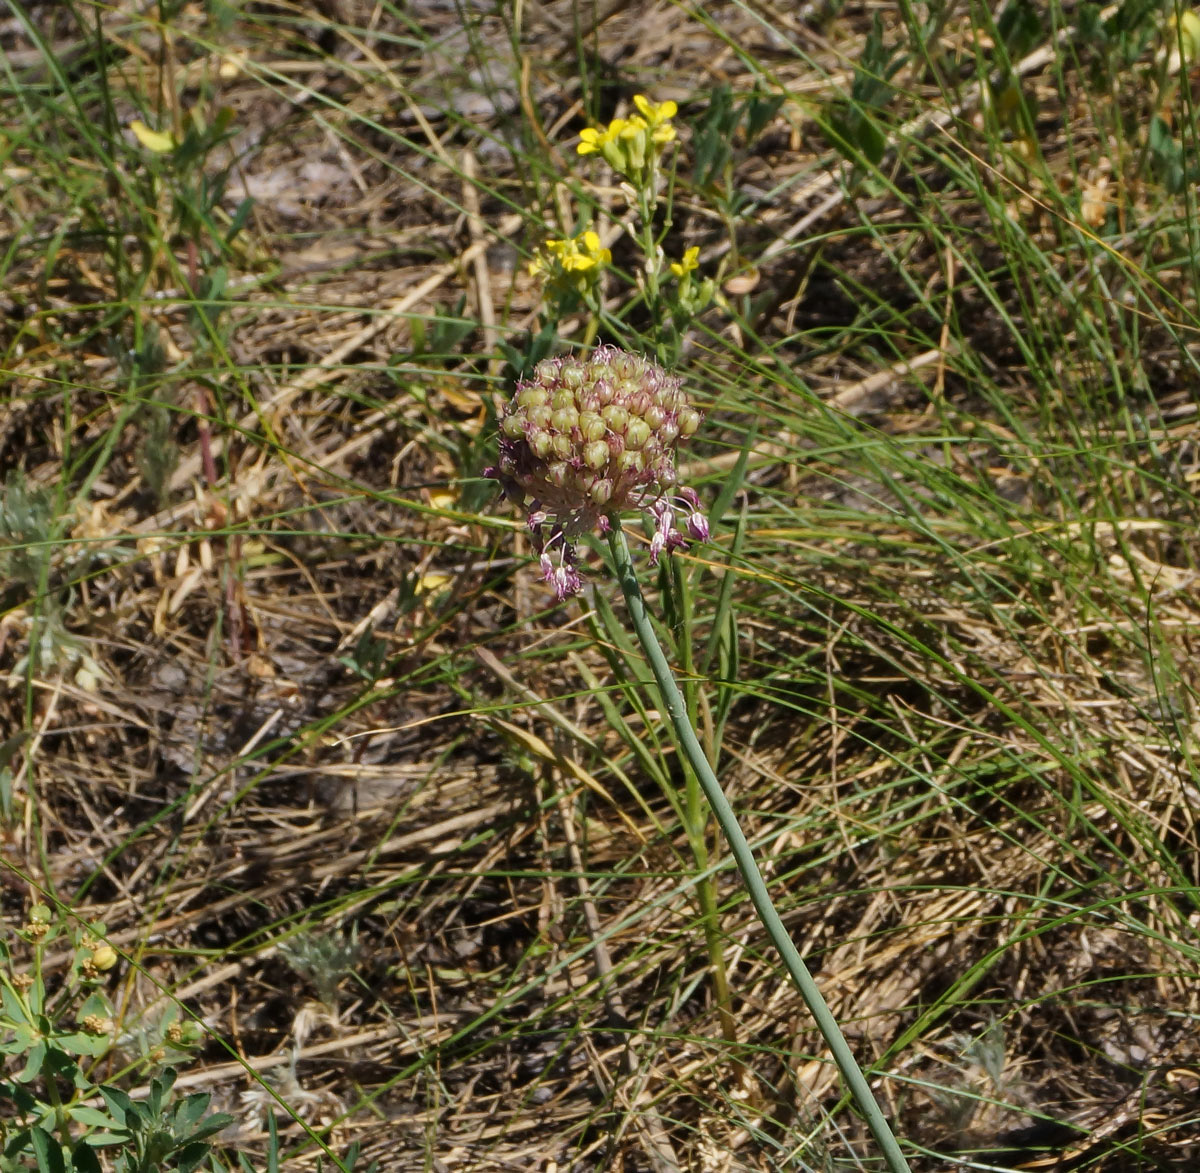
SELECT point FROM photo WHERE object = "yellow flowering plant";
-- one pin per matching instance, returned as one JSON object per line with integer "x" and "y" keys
{"x": 635, "y": 148}
{"x": 691, "y": 296}
{"x": 578, "y": 254}
{"x": 571, "y": 269}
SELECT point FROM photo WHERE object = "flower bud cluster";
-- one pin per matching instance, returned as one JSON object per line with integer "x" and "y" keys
{"x": 574, "y": 263}
{"x": 632, "y": 146}
{"x": 587, "y": 438}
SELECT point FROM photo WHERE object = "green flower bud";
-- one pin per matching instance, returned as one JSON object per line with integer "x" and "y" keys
{"x": 637, "y": 433}
{"x": 600, "y": 492}
{"x": 689, "y": 421}
{"x": 596, "y": 454}
{"x": 565, "y": 418}
{"x": 591, "y": 426}
{"x": 542, "y": 445}
{"x": 532, "y": 397}
{"x": 563, "y": 448}
{"x": 616, "y": 417}
{"x": 631, "y": 462}
{"x": 624, "y": 365}
{"x": 513, "y": 426}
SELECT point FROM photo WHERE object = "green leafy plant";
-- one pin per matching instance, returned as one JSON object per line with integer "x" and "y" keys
{"x": 853, "y": 124}
{"x": 155, "y": 1133}
{"x": 53, "y": 1039}
{"x": 324, "y": 959}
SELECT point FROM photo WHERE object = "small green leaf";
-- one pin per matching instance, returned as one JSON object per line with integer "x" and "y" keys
{"x": 190, "y": 1156}
{"x": 33, "y": 1062}
{"x": 13, "y": 1005}
{"x": 119, "y": 1104}
{"x": 92, "y": 1117}
{"x": 47, "y": 1151}
{"x": 84, "y": 1160}
{"x": 81, "y": 1042}
{"x": 102, "y": 1139}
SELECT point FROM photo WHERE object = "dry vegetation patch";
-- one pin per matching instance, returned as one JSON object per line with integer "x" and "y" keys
{"x": 285, "y": 706}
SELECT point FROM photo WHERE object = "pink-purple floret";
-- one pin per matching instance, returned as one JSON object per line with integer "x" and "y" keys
{"x": 587, "y": 439}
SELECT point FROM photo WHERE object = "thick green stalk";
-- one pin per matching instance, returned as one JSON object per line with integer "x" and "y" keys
{"x": 689, "y": 745}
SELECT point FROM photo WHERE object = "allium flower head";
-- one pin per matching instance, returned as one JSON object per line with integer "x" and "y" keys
{"x": 588, "y": 438}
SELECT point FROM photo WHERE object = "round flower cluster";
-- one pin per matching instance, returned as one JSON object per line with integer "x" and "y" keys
{"x": 586, "y": 439}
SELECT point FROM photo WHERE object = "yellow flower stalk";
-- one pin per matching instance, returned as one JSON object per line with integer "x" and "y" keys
{"x": 658, "y": 117}
{"x": 631, "y": 146}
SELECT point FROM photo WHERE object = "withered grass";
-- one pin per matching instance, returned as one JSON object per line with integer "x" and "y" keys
{"x": 438, "y": 902}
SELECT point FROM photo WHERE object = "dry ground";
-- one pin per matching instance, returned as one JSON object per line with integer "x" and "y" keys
{"x": 389, "y": 900}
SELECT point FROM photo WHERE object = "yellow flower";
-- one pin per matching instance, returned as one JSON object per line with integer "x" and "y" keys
{"x": 588, "y": 257}
{"x": 690, "y": 261}
{"x": 594, "y": 140}
{"x": 658, "y": 117}
{"x": 631, "y": 146}
{"x": 158, "y": 141}
{"x": 576, "y": 255}
{"x": 541, "y": 263}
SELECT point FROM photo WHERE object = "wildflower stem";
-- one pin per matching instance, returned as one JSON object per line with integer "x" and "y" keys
{"x": 689, "y": 745}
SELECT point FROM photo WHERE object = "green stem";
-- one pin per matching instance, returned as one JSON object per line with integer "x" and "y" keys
{"x": 689, "y": 745}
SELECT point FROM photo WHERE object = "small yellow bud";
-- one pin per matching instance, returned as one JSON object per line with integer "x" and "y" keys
{"x": 103, "y": 957}
{"x": 158, "y": 141}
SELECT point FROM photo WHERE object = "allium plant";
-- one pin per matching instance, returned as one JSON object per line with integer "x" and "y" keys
{"x": 583, "y": 441}
{"x": 587, "y": 439}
